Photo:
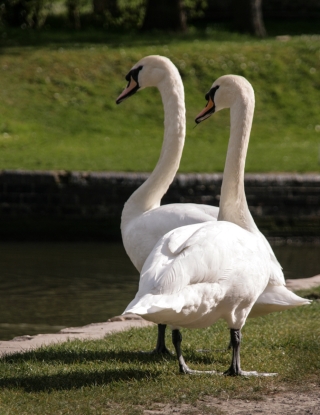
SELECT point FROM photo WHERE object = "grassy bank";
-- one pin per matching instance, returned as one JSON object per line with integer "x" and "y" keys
{"x": 58, "y": 106}
{"x": 111, "y": 376}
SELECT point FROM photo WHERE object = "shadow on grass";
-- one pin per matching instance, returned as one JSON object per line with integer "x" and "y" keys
{"x": 64, "y": 356}
{"x": 73, "y": 380}
{"x": 85, "y": 374}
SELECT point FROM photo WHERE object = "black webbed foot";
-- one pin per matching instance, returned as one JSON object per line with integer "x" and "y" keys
{"x": 235, "y": 369}
{"x": 183, "y": 368}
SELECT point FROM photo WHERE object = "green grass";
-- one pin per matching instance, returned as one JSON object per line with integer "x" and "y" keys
{"x": 58, "y": 111}
{"x": 111, "y": 376}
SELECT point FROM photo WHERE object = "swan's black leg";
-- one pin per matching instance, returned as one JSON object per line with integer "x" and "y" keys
{"x": 235, "y": 340}
{"x": 183, "y": 368}
{"x": 176, "y": 340}
{"x": 161, "y": 342}
{"x": 235, "y": 369}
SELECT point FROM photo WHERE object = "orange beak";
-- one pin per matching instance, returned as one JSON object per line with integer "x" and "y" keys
{"x": 128, "y": 91}
{"x": 206, "y": 112}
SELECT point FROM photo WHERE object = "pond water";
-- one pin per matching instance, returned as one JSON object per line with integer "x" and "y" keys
{"x": 45, "y": 287}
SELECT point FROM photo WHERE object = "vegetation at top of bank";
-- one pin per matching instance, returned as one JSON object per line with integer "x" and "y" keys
{"x": 245, "y": 16}
{"x": 111, "y": 376}
{"x": 58, "y": 92}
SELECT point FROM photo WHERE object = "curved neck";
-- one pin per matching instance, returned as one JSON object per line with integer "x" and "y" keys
{"x": 149, "y": 194}
{"x": 233, "y": 202}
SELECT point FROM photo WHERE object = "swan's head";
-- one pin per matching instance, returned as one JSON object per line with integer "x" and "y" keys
{"x": 225, "y": 92}
{"x": 149, "y": 71}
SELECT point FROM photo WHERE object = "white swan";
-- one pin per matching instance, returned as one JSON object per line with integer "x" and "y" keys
{"x": 237, "y": 93}
{"x": 143, "y": 220}
{"x": 200, "y": 273}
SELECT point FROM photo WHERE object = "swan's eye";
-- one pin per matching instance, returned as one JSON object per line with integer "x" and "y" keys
{"x": 127, "y": 78}
{"x": 211, "y": 93}
{"x": 135, "y": 73}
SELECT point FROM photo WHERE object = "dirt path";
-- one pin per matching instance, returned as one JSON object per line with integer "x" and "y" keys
{"x": 280, "y": 403}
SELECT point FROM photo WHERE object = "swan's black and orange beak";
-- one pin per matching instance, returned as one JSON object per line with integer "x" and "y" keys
{"x": 209, "y": 108}
{"x": 133, "y": 85}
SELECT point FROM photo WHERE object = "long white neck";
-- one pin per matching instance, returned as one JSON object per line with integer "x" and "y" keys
{"x": 233, "y": 203}
{"x": 148, "y": 195}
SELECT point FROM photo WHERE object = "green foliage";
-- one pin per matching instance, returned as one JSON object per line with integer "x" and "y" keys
{"x": 118, "y": 14}
{"x": 129, "y": 14}
{"x": 111, "y": 376}
{"x": 195, "y": 8}
{"x": 25, "y": 13}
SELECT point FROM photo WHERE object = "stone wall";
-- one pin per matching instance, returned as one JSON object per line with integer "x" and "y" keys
{"x": 59, "y": 205}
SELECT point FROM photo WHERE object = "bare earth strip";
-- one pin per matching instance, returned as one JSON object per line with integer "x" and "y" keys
{"x": 282, "y": 403}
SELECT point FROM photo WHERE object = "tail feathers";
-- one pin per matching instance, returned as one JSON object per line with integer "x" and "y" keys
{"x": 149, "y": 304}
{"x": 276, "y": 298}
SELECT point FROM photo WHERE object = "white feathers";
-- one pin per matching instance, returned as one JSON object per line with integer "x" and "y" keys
{"x": 200, "y": 273}
{"x": 208, "y": 278}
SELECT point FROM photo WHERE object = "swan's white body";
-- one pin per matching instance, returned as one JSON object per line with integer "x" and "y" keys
{"x": 143, "y": 220}
{"x": 142, "y": 232}
{"x": 198, "y": 274}
{"x": 201, "y": 273}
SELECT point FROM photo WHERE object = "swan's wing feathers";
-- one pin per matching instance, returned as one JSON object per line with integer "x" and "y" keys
{"x": 276, "y": 298}
{"x": 276, "y": 274}
{"x": 189, "y": 213}
{"x": 174, "y": 261}
{"x": 182, "y": 257}
{"x": 219, "y": 258}
{"x": 186, "y": 236}
{"x": 157, "y": 222}
{"x": 203, "y": 210}
{"x": 141, "y": 234}
{"x": 202, "y": 253}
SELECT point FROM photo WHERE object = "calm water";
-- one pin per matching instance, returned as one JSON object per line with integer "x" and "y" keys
{"x": 47, "y": 286}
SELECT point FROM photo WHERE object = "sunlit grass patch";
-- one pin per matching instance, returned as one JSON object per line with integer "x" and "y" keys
{"x": 58, "y": 106}
{"x": 113, "y": 373}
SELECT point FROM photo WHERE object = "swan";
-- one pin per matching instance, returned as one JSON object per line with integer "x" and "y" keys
{"x": 143, "y": 220}
{"x": 238, "y": 95}
{"x": 200, "y": 273}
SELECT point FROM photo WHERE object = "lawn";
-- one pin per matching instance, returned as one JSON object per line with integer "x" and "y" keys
{"x": 58, "y": 96}
{"x": 111, "y": 376}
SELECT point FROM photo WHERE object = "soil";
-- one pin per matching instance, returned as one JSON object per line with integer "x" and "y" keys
{"x": 282, "y": 403}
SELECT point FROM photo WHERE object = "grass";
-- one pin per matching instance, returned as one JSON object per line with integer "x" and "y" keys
{"x": 111, "y": 376}
{"x": 58, "y": 111}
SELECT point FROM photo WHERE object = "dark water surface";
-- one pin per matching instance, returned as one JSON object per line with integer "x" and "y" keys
{"x": 48, "y": 286}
